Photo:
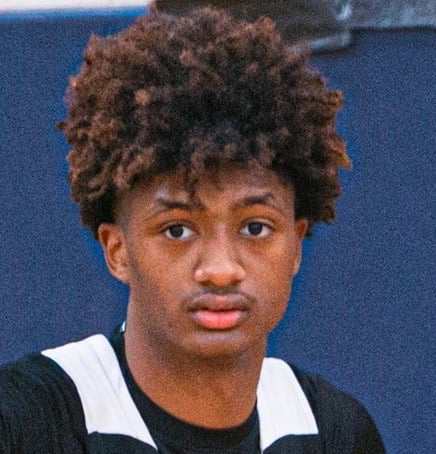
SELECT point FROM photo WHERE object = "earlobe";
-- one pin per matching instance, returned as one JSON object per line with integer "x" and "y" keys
{"x": 112, "y": 240}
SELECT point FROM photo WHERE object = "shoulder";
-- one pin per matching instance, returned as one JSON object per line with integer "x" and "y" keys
{"x": 342, "y": 420}
{"x": 33, "y": 379}
{"x": 38, "y": 404}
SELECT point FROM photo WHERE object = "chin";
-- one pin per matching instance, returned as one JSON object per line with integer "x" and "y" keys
{"x": 225, "y": 346}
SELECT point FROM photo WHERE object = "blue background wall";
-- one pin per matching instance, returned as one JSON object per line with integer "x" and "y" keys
{"x": 362, "y": 310}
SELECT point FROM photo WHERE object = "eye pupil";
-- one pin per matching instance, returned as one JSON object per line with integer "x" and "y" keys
{"x": 255, "y": 228}
{"x": 176, "y": 231}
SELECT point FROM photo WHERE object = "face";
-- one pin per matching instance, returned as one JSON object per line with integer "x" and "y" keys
{"x": 210, "y": 273}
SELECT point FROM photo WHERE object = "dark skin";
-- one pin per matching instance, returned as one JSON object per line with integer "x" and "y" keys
{"x": 210, "y": 276}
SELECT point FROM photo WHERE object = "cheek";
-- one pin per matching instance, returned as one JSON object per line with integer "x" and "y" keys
{"x": 273, "y": 282}
{"x": 276, "y": 263}
{"x": 155, "y": 277}
{"x": 144, "y": 274}
{"x": 273, "y": 309}
{"x": 274, "y": 278}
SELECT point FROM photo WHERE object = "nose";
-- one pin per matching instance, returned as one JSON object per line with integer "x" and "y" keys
{"x": 219, "y": 265}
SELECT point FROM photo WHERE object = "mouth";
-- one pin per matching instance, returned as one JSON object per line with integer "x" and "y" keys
{"x": 219, "y": 312}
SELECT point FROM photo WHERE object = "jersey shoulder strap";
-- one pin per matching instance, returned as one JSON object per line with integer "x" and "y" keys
{"x": 282, "y": 404}
{"x": 107, "y": 405}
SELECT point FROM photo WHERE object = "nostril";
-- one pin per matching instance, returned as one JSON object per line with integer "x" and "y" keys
{"x": 219, "y": 264}
{"x": 219, "y": 276}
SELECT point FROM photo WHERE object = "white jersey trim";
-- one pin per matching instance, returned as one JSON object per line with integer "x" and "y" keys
{"x": 106, "y": 401}
{"x": 282, "y": 405}
{"x": 109, "y": 408}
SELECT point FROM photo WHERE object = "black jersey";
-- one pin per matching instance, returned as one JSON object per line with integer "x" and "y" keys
{"x": 81, "y": 398}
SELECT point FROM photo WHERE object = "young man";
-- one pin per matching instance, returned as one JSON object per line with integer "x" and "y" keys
{"x": 203, "y": 152}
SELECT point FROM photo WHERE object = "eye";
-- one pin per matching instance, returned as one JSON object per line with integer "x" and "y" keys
{"x": 256, "y": 229}
{"x": 178, "y": 232}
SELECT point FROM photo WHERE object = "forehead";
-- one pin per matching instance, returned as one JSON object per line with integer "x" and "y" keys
{"x": 216, "y": 191}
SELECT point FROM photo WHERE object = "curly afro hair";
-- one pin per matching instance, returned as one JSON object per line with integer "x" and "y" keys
{"x": 196, "y": 92}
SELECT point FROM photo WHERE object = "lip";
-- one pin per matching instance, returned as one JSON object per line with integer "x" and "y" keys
{"x": 219, "y": 320}
{"x": 219, "y": 312}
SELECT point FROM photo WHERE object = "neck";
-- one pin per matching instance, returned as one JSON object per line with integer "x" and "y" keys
{"x": 212, "y": 392}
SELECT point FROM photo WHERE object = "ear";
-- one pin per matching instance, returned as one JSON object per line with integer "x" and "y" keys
{"x": 113, "y": 242}
{"x": 301, "y": 225}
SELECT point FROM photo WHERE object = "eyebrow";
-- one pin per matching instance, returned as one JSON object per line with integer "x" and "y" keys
{"x": 169, "y": 204}
{"x": 261, "y": 199}
{"x": 165, "y": 204}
